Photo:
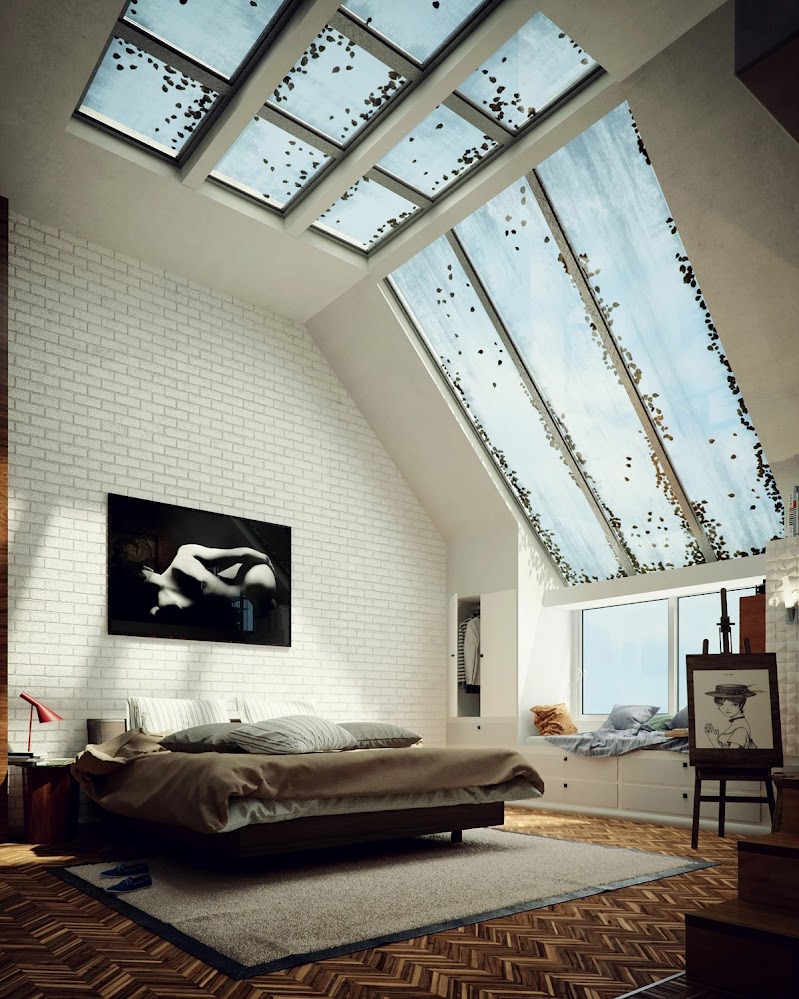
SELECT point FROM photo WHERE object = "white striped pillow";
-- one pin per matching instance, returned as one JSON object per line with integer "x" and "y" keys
{"x": 255, "y": 709}
{"x": 293, "y": 734}
{"x": 169, "y": 714}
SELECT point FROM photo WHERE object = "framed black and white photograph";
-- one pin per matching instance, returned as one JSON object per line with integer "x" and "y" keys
{"x": 734, "y": 710}
{"x": 174, "y": 572}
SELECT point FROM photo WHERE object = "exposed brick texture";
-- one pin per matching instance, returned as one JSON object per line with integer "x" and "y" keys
{"x": 127, "y": 379}
{"x": 782, "y": 636}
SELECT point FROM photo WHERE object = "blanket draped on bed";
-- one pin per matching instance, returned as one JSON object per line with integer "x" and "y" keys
{"x": 132, "y": 775}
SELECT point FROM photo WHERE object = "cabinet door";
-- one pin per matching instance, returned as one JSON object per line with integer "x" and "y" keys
{"x": 452, "y": 655}
{"x": 498, "y": 683}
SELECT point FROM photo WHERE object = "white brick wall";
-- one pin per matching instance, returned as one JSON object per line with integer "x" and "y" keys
{"x": 782, "y": 636}
{"x": 127, "y": 379}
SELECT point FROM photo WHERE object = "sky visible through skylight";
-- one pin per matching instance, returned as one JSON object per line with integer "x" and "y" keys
{"x": 611, "y": 213}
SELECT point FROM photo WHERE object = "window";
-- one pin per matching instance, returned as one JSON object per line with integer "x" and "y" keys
{"x": 697, "y": 619}
{"x": 625, "y": 656}
{"x": 628, "y": 657}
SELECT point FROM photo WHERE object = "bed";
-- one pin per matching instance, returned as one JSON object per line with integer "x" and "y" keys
{"x": 236, "y": 806}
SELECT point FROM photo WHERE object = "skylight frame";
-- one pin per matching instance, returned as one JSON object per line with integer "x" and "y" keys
{"x": 475, "y": 116}
{"x": 161, "y": 50}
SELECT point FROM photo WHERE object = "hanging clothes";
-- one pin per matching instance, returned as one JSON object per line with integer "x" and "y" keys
{"x": 471, "y": 652}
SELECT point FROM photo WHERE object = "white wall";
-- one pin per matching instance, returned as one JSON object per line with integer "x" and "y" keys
{"x": 127, "y": 379}
{"x": 782, "y": 636}
{"x": 544, "y": 636}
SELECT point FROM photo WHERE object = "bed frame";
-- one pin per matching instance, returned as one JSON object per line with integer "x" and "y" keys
{"x": 317, "y": 832}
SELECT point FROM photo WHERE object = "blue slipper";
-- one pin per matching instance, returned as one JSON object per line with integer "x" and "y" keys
{"x": 122, "y": 870}
{"x": 131, "y": 884}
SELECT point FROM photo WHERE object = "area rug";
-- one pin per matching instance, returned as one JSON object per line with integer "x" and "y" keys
{"x": 302, "y": 909}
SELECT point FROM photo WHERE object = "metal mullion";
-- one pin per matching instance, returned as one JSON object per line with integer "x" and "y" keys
{"x": 158, "y": 50}
{"x": 542, "y": 406}
{"x": 603, "y": 330}
{"x": 407, "y": 313}
{"x": 375, "y": 46}
{"x": 399, "y": 187}
{"x": 302, "y": 132}
{"x": 673, "y": 653}
{"x": 471, "y": 113}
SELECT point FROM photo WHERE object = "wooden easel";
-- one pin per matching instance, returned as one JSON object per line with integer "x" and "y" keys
{"x": 721, "y": 773}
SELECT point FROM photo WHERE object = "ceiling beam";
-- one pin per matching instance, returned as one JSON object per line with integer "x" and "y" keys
{"x": 507, "y": 166}
{"x": 425, "y": 98}
{"x": 248, "y": 99}
{"x": 599, "y": 322}
{"x": 540, "y": 403}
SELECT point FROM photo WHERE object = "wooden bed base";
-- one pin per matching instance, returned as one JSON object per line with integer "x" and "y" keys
{"x": 273, "y": 838}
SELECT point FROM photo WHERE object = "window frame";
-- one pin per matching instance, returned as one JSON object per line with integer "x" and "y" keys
{"x": 590, "y": 721}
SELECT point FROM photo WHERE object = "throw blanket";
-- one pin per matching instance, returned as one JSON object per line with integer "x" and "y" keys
{"x": 132, "y": 775}
{"x": 615, "y": 742}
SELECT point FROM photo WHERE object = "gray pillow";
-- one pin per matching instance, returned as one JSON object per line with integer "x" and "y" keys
{"x": 213, "y": 738}
{"x": 293, "y": 734}
{"x": 625, "y": 716}
{"x": 381, "y": 735}
{"x": 680, "y": 720}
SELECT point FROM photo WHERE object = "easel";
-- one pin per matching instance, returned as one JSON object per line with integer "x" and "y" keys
{"x": 722, "y": 773}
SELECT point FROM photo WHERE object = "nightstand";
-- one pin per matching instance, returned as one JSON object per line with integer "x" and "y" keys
{"x": 50, "y": 798}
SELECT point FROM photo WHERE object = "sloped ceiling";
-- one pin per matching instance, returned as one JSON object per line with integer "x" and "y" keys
{"x": 728, "y": 172}
{"x": 111, "y": 194}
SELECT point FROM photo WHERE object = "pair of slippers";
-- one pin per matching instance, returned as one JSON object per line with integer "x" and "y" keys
{"x": 134, "y": 877}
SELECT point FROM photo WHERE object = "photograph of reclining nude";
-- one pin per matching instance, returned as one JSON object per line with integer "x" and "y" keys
{"x": 190, "y": 574}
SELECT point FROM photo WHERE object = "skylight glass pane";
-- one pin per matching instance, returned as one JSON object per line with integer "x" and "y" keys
{"x": 218, "y": 33}
{"x": 448, "y": 312}
{"x": 419, "y": 27}
{"x": 611, "y": 206}
{"x": 269, "y": 163}
{"x": 517, "y": 259}
{"x": 366, "y": 213}
{"x": 532, "y": 69}
{"x": 336, "y": 86}
{"x": 143, "y": 97}
{"x": 439, "y": 150}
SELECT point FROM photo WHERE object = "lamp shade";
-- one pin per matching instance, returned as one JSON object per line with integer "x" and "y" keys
{"x": 45, "y": 714}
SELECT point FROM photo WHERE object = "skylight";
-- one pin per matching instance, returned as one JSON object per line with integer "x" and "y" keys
{"x": 216, "y": 33}
{"x": 529, "y": 72}
{"x": 336, "y": 86}
{"x": 175, "y": 68}
{"x": 576, "y": 282}
{"x": 417, "y": 27}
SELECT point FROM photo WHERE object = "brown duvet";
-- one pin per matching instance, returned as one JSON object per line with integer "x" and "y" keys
{"x": 132, "y": 775}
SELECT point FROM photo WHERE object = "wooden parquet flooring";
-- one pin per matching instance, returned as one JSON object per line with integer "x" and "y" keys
{"x": 57, "y": 943}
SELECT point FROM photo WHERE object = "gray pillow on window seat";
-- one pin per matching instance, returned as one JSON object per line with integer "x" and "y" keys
{"x": 629, "y": 716}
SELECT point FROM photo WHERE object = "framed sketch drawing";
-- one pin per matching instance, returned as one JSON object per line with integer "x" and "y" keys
{"x": 179, "y": 573}
{"x": 734, "y": 711}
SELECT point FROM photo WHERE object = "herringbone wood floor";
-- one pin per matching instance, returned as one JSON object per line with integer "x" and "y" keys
{"x": 58, "y": 943}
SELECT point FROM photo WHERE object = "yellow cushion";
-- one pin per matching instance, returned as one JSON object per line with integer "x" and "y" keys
{"x": 553, "y": 719}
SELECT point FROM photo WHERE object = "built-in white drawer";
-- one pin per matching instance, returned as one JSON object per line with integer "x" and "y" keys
{"x": 562, "y": 765}
{"x": 653, "y": 767}
{"x": 482, "y": 731}
{"x": 678, "y": 801}
{"x": 600, "y": 794}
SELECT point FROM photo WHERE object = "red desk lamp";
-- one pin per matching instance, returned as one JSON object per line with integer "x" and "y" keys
{"x": 45, "y": 714}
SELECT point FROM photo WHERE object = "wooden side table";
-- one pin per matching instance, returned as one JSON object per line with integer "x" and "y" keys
{"x": 50, "y": 797}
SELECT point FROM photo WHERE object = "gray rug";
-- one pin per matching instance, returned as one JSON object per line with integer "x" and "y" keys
{"x": 299, "y": 910}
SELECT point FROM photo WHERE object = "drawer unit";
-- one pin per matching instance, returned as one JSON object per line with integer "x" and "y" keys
{"x": 481, "y": 732}
{"x": 653, "y": 767}
{"x": 562, "y": 765}
{"x": 680, "y": 801}
{"x": 599, "y": 794}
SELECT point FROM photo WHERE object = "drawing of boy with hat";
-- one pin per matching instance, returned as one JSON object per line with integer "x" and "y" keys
{"x": 730, "y": 698}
